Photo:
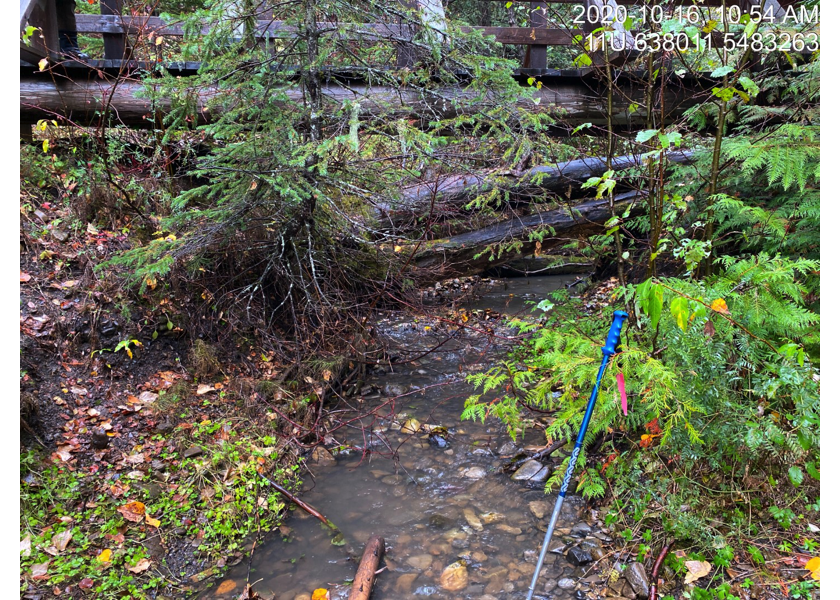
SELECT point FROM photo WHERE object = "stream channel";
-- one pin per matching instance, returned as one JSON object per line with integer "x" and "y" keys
{"x": 437, "y": 505}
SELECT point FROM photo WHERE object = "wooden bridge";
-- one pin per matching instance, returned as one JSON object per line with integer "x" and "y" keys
{"x": 85, "y": 92}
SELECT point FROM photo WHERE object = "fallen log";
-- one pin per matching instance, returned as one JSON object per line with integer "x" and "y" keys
{"x": 472, "y": 253}
{"x": 366, "y": 575}
{"x": 119, "y": 101}
{"x": 453, "y": 192}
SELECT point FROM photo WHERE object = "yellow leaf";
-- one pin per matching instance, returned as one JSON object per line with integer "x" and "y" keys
{"x": 719, "y": 305}
{"x": 813, "y": 565}
{"x": 152, "y": 521}
{"x": 397, "y": 249}
{"x": 130, "y": 355}
{"x": 42, "y": 64}
{"x": 46, "y": 146}
{"x": 158, "y": 40}
{"x": 321, "y": 594}
{"x": 104, "y": 556}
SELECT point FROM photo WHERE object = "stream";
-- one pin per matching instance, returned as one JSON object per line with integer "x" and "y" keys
{"x": 440, "y": 502}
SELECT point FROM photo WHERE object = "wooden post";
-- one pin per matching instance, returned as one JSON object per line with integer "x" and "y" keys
{"x": 39, "y": 13}
{"x": 366, "y": 575}
{"x": 115, "y": 46}
{"x": 536, "y": 56}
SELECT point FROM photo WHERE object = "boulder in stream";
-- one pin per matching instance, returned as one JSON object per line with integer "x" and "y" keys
{"x": 405, "y": 583}
{"x": 531, "y": 471}
{"x": 454, "y": 577}
{"x": 566, "y": 583}
{"x": 578, "y": 556}
{"x": 411, "y": 426}
{"x": 421, "y": 561}
{"x": 474, "y": 473}
{"x": 322, "y": 456}
{"x": 473, "y": 520}
{"x": 538, "y": 508}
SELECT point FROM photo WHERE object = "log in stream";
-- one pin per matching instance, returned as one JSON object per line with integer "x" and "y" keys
{"x": 366, "y": 575}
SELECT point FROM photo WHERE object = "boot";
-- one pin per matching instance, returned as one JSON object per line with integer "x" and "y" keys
{"x": 68, "y": 43}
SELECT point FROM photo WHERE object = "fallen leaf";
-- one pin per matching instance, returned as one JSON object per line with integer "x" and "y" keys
{"x": 63, "y": 452}
{"x": 104, "y": 556}
{"x": 813, "y": 565}
{"x": 226, "y": 587}
{"x": 24, "y": 277}
{"x": 39, "y": 571}
{"x": 60, "y": 540}
{"x": 204, "y": 389}
{"x": 26, "y": 546}
{"x": 86, "y": 583}
{"x": 696, "y": 570}
{"x": 147, "y": 397}
{"x": 719, "y": 305}
{"x": 152, "y": 521}
{"x": 709, "y": 329}
{"x": 133, "y": 511}
{"x": 135, "y": 459}
{"x": 118, "y": 489}
{"x": 141, "y": 566}
{"x": 321, "y": 594}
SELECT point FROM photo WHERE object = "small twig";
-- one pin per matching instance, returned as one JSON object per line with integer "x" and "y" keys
{"x": 301, "y": 504}
{"x": 654, "y": 574}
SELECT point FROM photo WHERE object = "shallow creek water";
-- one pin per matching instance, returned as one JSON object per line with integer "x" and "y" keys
{"x": 434, "y": 506}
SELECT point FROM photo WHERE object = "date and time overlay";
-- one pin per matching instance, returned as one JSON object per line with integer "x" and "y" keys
{"x": 695, "y": 28}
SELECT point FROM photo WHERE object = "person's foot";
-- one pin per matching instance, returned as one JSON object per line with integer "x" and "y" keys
{"x": 68, "y": 43}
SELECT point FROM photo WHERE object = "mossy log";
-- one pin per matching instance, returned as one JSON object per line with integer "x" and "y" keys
{"x": 474, "y": 252}
{"x": 449, "y": 195}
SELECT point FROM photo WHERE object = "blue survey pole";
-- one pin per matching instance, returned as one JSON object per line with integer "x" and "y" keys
{"x": 608, "y": 350}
